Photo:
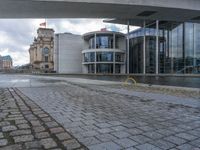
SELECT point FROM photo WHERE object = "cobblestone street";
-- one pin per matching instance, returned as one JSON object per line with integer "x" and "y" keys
{"x": 24, "y": 125}
{"x": 97, "y": 117}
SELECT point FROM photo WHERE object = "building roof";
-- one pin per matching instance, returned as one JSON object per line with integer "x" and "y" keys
{"x": 8, "y": 57}
{"x": 170, "y": 10}
{"x": 90, "y": 34}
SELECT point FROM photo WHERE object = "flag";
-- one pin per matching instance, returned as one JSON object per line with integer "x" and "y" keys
{"x": 43, "y": 24}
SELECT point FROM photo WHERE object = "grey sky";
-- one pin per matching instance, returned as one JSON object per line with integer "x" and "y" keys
{"x": 17, "y": 34}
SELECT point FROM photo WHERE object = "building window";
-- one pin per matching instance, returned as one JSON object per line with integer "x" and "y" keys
{"x": 105, "y": 68}
{"x": 46, "y": 58}
{"x": 91, "y": 68}
{"x": 117, "y": 68}
{"x": 46, "y": 66}
{"x": 119, "y": 57}
{"x": 104, "y": 56}
{"x": 104, "y": 42}
{"x": 89, "y": 57}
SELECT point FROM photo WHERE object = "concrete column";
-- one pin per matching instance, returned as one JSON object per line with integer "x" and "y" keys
{"x": 127, "y": 55}
{"x": 113, "y": 62}
{"x": 114, "y": 41}
{"x": 157, "y": 46}
{"x": 194, "y": 48}
{"x": 95, "y": 63}
{"x": 95, "y": 41}
{"x": 144, "y": 48}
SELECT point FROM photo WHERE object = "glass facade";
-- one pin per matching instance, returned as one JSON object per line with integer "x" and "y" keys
{"x": 104, "y": 56}
{"x": 89, "y": 57}
{"x": 178, "y": 48}
{"x": 105, "y": 68}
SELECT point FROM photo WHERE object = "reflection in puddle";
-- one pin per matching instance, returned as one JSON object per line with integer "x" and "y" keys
{"x": 21, "y": 80}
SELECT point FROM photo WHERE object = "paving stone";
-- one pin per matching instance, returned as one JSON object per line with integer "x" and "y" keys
{"x": 23, "y": 126}
{"x": 141, "y": 139}
{"x": 105, "y": 130}
{"x": 105, "y": 146}
{"x": 12, "y": 147}
{"x": 71, "y": 144}
{"x": 3, "y": 142}
{"x": 57, "y": 130}
{"x": 147, "y": 146}
{"x": 23, "y": 138}
{"x": 175, "y": 140}
{"x": 46, "y": 119}
{"x": 4, "y": 123}
{"x": 51, "y": 124}
{"x": 20, "y": 132}
{"x": 118, "y": 128}
{"x": 165, "y": 145}
{"x": 89, "y": 133}
{"x": 63, "y": 136}
{"x": 34, "y": 144}
{"x": 41, "y": 135}
{"x": 39, "y": 129}
{"x": 126, "y": 143}
{"x": 48, "y": 143}
{"x": 35, "y": 123}
{"x": 20, "y": 121}
{"x": 103, "y": 125}
{"x": 196, "y": 142}
{"x": 153, "y": 135}
{"x": 1, "y": 135}
{"x": 9, "y": 128}
{"x": 186, "y": 136}
{"x": 187, "y": 147}
{"x": 121, "y": 134}
{"x": 106, "y": 137}
{"x": 89, "y": 141}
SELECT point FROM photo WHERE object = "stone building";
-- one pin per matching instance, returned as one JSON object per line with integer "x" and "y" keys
{"x": 1, "y": 62}
{"x": 42, "y": 49}
{"x": 7, "y": 62}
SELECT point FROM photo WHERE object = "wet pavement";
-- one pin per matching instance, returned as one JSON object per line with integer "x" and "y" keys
{"x": 92, "y": 114}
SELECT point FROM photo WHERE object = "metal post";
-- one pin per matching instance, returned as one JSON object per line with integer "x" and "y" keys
{"x": 114, "y": 41}
{"x": 127, "y": 56}
{"x": 144, "y": 48}
{"x": 157, "y": 46}
{"x": 95, "y": 43}
{"x": 114, "y": 47}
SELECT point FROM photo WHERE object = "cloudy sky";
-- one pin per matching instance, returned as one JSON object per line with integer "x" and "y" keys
{"x": 17, "y": 34}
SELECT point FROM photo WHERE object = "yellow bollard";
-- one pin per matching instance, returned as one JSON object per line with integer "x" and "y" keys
{"x": 130, "y": 79}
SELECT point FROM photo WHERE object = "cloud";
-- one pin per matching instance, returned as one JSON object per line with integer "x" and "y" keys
{"x": 16, "y": 35}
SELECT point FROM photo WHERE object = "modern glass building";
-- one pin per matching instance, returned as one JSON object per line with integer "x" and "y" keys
{"x": 163, "y": 47}
{"x": 104, "y": 52}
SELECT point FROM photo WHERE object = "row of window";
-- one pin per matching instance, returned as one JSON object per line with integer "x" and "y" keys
{"x": 103, "y": 57}
{"x": 106, "y": 41}
{"x": 104, "y": 68}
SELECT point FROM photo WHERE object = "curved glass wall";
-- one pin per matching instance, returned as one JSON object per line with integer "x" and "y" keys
{"x": 104, "y": 56}
{"x": 92, "y": 43}
{"x": 105, "y": 68}
{"x": 89, "y": 57}
{"x": 179, "y": 48}
{"x": 104, "y": 41}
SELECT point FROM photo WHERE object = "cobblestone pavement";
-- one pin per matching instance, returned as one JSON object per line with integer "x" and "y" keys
{"x": 24, "y": 125}
{"x": 109, "y": 120}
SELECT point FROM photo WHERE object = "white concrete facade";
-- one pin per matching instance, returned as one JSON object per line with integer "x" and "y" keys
{"x": 67, "y": 53}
